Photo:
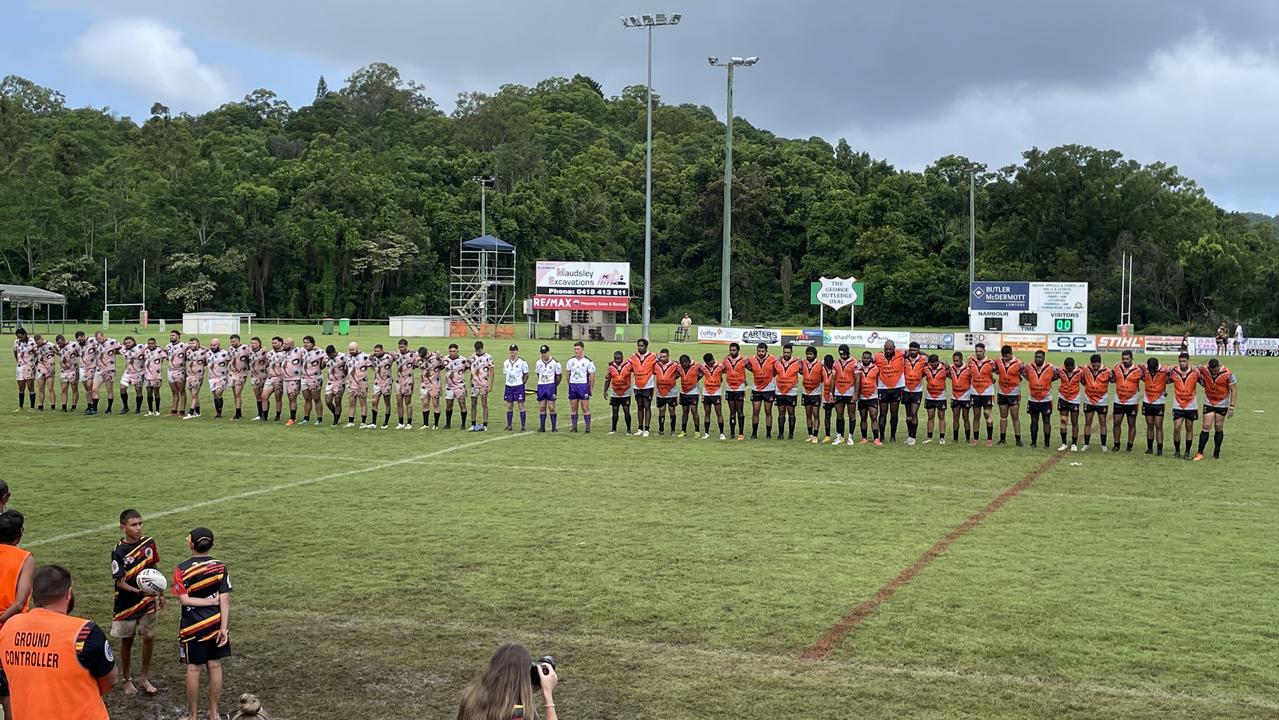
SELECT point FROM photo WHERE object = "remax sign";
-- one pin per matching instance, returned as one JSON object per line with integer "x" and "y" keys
{"x": 1007, "y": 296}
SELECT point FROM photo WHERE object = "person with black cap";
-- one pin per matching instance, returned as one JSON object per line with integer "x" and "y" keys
{"x": 549, "y": 373}
{"x": 515, "y": 374}
{"x": 202, "y": 586}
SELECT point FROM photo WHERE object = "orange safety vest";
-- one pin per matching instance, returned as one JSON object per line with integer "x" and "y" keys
{"x": 11, "y": 559}
{"x": 46, "y": 679}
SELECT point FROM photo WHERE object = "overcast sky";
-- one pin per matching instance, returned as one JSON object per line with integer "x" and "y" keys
{"x": 1188, "y": 82}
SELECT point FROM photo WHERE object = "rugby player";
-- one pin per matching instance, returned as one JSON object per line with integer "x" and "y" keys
{"x": 581, "y": 379}
{"x": 960, "y": 374}
{"x": 666, "y": 374}
{"x": 429, "y": 390}
{"x": 868, "y": 399}
{"x": 88, "y": 369}
{"x": 1096, "y": 381}
{"x": 913, "y": 393}
{"x": 314, "y": 359}
{"x": 1009, "y": 369}
{"x": 787, "y": 391}
{"x": 1126, "y": 377}
{"x": 982, "y": 370}
{"x": 70, "y": 352}
{"x": 618, "y": 378}
{"x": 515, "y": 376}
{"x": 1039, "y": 383}
{"x": 202, "y": 586}
{"x": 735, "y": 390}
{"x": 689, "y": 377}
{"x": 45, "y": 353}
{"x": 104, "y": 373}
{"x": 892, "y": 380}
{"x": 241, "y": 356}
{"x": 24, "y": 357}
{"x": 277, "y": 362}
{"x": 153, "y": 375}
{"x": 549, "y": 373}
{"x": 380, "y": 363}
{"x": 295, "y": 368}
{"x": 135, "y": 362}
{"x": 712, "y": 394}
{"x": 763, "y": 367}
{"x": 813, "y": 378}
{"x": 455, "y": 367}
{"x": 406, "y": 361}
{"x": 1154, "y": 378}
{"x": 197, "y": 358}
{"x": 176, "y": 352}
{"x": 1069, "y": 379}
{"x": 643, "y": 363}
{"x": 335, "y": 386}
{"x": 219, "y": 361}
{"x": 935, "y": 376}
{"x": 357, "y": 385}
{"x": 828, "y": 393}
{"x": 1220, "y": 396}
{"x": 135, "y": 610}
{"x": 846, "y": 382}
{"x": 1185, "y": 403}
{"x": 481, "y": 366}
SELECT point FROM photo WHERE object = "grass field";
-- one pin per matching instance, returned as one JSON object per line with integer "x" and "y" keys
{"x": 676, "y": 578}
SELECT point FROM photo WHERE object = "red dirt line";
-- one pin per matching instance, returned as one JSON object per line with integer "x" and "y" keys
{"x": 850, "y": 621}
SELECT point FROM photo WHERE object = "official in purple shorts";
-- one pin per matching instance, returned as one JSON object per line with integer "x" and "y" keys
{"x": 581, "y": 377}
{"x": 549, "y": 373}
{"x": 515, "y": 374}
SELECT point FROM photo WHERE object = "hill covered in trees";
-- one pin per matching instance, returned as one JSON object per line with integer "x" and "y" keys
{"x": 354, "y": 204}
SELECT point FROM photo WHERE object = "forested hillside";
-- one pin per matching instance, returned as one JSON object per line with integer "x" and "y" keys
{"x": 354, "y": 205}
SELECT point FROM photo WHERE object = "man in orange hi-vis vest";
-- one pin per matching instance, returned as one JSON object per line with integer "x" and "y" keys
{"x": 58, "y": 666}
{"x": 17, "y": 567}
{"x": 1220, "y": 395}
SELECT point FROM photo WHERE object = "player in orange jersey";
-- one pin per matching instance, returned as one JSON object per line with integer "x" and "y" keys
{"x": 813, "y": 379}
{"x": 1126, "y": 377}
{"x": 617, "y": 379}
{"x": 643, "y": 364}
{"x": 1155, "y": 378}
{"x": 787, "y": 391}
{"x": 667, "y": 374}
{"x": 1068, "y": 379}
{"x": 1220, "y": 396}
{"x": 892, "y": 381}
{"x": 763, "y": 367}
{"x": 1096, "y": 381}
{"x": 735, "y": 390}
{"x": 689, "y": 376}
{"x": 1039, "y": 379}
{"x": 712, "y": 393}
{"x": 935, "y": 376}
{"x": 913, "y": 392}
{"x": 845, "y": 383}
{"x": 828, "y": 393}
{"x": 1185, "y": 402}
{"x": 868, "y": 399}
{"x": 1009, "y": 368}
{"x": 961, "y": 397}
{"x": 983, "y": 372}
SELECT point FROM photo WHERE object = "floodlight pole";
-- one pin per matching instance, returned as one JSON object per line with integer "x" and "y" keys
{"x": 972, "y": 227}
{"x": 725, "y": 301}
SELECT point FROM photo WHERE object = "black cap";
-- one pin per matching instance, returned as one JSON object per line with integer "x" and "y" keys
{"x": 545, "y": 348}
{"x": 201, "y": 538}
{"x": 513, "y": 347}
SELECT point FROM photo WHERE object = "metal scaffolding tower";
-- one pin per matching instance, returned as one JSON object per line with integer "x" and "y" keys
{"x": 482, "y": 293}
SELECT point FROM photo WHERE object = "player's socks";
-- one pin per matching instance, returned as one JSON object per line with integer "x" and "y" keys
{"x": 110, "y": 402}
{"x": 555, "y": 420}
{"x": 240, "y": 413}
{"x": 464, "y": 425}
{"x": 375, "y": 417}
{"x": 523, "y": 424}
{"x": 137, "y": 404}
{"x": 426, "y": 417}
{"x": 587, "y": 419}
{"x": 661, "y": 423}
{"x": 32, "y": 400}
{"x": 1047, "y": 433}
{"x": 364, "y": 420}
{"x": 1017, "y": 439}
{"x": 217, "y": 406}
{"x": 510, "y": 417}
{"x": 448, "y": 419}
{"x": 1103, "y": 440}
{"x": 1087, "y": 439}
{"x": 350, "y": 419}
{"x": 64, "y": 407}
{"x": 277, "y": 414}
{"x": 1003, "y": 437}
{"x": 627, "y": 412}
{"x": 754, "y": 430}
{"x": 22, "y": 400}
{"x": 437, "y": 419}
{"x": 990, "y": 431}
{"x": 1159, "y": 449}
{"x": 541, "y": 422}
{"x": 1203, "y": 441}
{"x": 1217, "y": 437}
{"x": 791, "y": 425}
{"x": 574, "y": 423}
{"x": 293, "y": 415}
{"x": 1034, "y": 427}
{"x": 1176, "y": 446}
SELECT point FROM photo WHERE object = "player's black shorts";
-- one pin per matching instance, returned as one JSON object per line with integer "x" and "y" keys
{"x": 1213, "y": 409}
{"x": 711, "y": 399}
{"x": 686, "y": 400}
{"x": 1039, "y": 407}
{"x": 763, "y": 396}
{"x": 200, "y": 652}
{"x": 813, "y": 400}
{"x": 1121, "y": 410}
{"x": 845, "y": 400}
{"x": 667, "y": 401}
{"x": 1066, "y": 406}
{"x": 982, "y": 401}
{"x": 1191, "y": 414}
{"x": 1009, "y": 399}
{"x": 622, "y": 401}
{"x": 862, "y": 404}
{"x": 931, "y": 404}
{"x": 965, "y": 403}
{"x": 1097, "y": 409}
{"x": 735, "y": 395}
{"x": 1152, "y": 409}
{"x": 913, "y": 398}
{"x": 890, "y": 395}
{"x": 786, "y": 400}
{"x": 643, "y": 393}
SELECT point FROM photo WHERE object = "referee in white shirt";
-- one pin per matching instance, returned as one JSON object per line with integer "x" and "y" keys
{"x": 581, "y": 378}
{"x": 549, "y": 374}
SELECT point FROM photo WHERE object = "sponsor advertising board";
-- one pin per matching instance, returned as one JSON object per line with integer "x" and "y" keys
{"x": 1263, "y": 347}
{"x": 1028, "y": 307}
{"x": 865, "y": 338}
{"x": 800, "y": 337}
{"x": 934, "y": 340}
{"x": 1072, "y": 343}
{"x": 1163, "y": 344}
{"x": 742, "y": 336}
{"x": 1022, "y": 342}
{"x": 968, "y": 341}
{"x": 1203, "y": 346}
{"x": 1118, "y": 343}
{"x": 562, "y": 285}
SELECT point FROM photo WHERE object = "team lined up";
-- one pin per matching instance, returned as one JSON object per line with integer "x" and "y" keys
{"x": 873, "y": 388}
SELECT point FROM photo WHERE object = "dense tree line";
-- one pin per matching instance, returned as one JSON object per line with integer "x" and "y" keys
{"x": 355, "y": 204}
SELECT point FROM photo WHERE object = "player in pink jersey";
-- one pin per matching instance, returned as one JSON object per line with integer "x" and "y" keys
{"x": 197, "y": 361}
{"x": 24, "y": 357}
{"x": 240, "y": 354}
{"x": 455, "y": 367}
{"x": 153, "y": 375}
{"x": 104, "y": 371}
{"x": 277, "y": 370}
{"x": 334, "y": 388}
{"x": 405, "y": 364}
{"x": 357, "y": 385}
{"x": 70, "y": 352}
{"x": 219, "y": 361}
{"x": 259, "y": 370}
{"x": 314, "y": 361}
{"x": 134, "y": 364}
{"x": 431, "y": 363}
{"x": 294, "y": 370}
{"x": 45, "y": 372}
{"x": 176, "y": 351}
{"x": 382, "y": 383}
{"x": 481, "y": 364}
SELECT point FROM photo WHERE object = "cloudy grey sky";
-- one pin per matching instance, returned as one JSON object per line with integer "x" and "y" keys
{"x": 1191, "y": 83}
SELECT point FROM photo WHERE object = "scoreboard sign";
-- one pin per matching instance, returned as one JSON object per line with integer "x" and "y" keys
{"x": 1048, "y": 308}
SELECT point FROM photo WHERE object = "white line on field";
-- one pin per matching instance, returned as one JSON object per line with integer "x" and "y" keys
{"x": 754, "y": 662}
{"x": 952, "y": 489}
{"x": 452, "y": 463}
{"x": 37, "y": 443}
{"x": 275, "y": 488}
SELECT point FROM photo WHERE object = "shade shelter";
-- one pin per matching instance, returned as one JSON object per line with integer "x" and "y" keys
{"x": 21, "y": 297}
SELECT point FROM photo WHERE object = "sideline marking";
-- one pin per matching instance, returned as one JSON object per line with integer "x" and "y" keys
{"x": 457, "y": 463}
{"x": 37, "y": 443}
{"x": 831, "y": 638}
{"x": 273, "y": 488}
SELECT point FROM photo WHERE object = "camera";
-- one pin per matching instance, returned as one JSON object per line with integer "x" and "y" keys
{"x": 536, "y": 670}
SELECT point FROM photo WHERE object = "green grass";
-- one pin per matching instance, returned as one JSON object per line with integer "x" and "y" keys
{"x": 674, "y": 578}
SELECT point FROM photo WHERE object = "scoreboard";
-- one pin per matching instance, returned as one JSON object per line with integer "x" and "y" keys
{"x": 1028, "y": 307}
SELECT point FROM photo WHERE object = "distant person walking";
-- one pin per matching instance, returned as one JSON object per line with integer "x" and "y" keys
{"x": 685, "y": 328}
{"x": 1221, "y": 339}
{"x": 1239, "y": 342}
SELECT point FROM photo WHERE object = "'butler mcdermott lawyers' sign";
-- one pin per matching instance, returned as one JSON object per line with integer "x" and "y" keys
{"x": 999, "y": 296}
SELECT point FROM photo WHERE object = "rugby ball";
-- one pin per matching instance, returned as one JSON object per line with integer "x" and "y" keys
{"x": 152, "y": 581}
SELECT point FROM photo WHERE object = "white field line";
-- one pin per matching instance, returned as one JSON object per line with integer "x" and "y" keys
{"x": 275, "y": 488}
{"x": 349, "y": 458}
{"x": 955, "y": 490}
{"x": 37, "y": 443}
{"x": 754, "y": 663}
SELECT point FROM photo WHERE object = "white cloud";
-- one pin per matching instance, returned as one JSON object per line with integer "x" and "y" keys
{"x": 1197, "y": 106}
{"x": 150, "y": 59}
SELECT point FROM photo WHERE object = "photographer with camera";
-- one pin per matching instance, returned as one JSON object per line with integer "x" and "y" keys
{"x": 506, "y": 689}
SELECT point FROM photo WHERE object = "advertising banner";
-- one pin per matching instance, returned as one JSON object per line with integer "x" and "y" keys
{"x": 742, "y": 336}
{"x": 562, "y": 285}
{"x": 801, "y": 337}
{"x": 1072, "y": 343}
{"x": 968, "y": 341}
{"x": 1118, "y": 343}
{"x": 934, "y": 340}
{"x": 1263, "y": 347}
{"x": 556, "y": 302}
{"x": 1025, "y": 342}
{"x": 1000, "y": 295}
{"x": 1029, "y": 307}
{"x": 1163, "y": 344}
{"x": 1203, "y": 346}
{"x": 866, "y": 338}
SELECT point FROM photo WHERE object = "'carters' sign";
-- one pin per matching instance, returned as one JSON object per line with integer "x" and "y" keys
{"x": 999, "y": 296}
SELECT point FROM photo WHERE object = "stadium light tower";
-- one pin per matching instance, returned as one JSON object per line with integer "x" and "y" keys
{"x": 648, "y": 22}
{"x": 725, "y": 305}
